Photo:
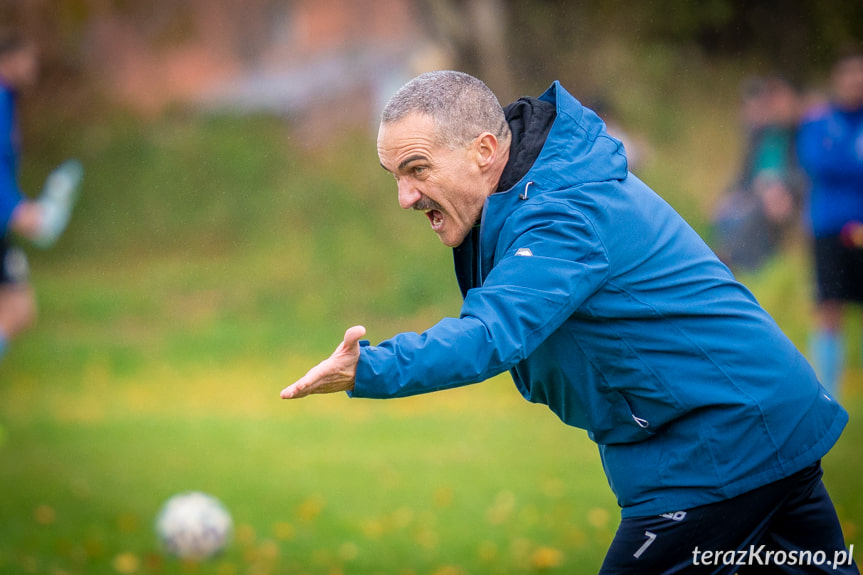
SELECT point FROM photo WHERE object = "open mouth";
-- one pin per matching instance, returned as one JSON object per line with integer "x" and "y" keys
{"x": 433, "y": 211}
{"x": 435, "y": 219}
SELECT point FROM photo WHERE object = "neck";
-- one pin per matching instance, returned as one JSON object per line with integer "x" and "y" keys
{"x": 496, "y": 170}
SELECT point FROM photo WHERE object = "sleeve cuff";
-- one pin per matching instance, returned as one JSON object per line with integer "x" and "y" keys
{"x": 363, "y": 343}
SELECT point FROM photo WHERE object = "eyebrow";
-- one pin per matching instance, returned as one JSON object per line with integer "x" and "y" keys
{"x": 406, "y": 161}
{"x": 410, "y": 159}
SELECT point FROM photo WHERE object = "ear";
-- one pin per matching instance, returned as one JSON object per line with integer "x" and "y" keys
{"x": 486, "y": 148}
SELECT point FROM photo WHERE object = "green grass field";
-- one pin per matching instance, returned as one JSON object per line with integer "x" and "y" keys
{"x": 209, "y": 264}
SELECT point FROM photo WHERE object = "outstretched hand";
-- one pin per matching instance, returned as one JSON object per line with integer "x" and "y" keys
{"x": 334, "y": 374}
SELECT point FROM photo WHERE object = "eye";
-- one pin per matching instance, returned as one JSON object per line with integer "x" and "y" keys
{"x": 419, "y": 170}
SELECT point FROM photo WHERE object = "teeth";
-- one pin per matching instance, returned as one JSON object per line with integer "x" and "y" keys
{"x": 436, "y": 218}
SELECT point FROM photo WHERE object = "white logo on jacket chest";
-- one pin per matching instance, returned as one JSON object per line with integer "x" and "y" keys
{"x": 524, "y": 252}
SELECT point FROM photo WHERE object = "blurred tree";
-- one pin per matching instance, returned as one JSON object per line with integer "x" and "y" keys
{"x": 793, "y": 36}
{"x": 534, "y": 37}
{"x": 507, "y": 42}
{"x": 476, "y": 31}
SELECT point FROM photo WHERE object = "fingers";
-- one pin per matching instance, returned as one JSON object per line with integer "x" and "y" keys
{"x": 297, "y": 389}
{"x": 333, "y": 374}
{"x": 291, "y": 392}
{"x": 305, "y": 385}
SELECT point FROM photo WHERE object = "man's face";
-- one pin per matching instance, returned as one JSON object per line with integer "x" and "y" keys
{"x": 848, "y": 83}
{"x": 447, "y": 185}
{"x": 20, "y": 67}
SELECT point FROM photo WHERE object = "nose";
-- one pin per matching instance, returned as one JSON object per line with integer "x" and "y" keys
{"x": 408, "y": 194}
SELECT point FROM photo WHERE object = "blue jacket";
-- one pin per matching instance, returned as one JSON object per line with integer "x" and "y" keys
{"x": 10, "y": 196}
{"x": 830, "y": 146}
{"x": 607, "y": 307}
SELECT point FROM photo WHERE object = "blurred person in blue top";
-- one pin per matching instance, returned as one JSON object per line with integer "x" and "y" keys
{"x": 830, "y": 146}
{"x": 40, "y": 221}
{"x": 606, "y": 306}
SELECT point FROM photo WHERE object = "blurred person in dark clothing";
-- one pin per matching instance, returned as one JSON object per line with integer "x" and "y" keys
{"x": 762, "y": 207}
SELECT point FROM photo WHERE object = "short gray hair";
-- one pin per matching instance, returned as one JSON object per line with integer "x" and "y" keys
{"x": 462, "y": 106}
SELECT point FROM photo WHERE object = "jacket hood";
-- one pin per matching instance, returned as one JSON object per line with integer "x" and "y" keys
{"x": 530, "y": 120}
{"x": 578, "y": 148}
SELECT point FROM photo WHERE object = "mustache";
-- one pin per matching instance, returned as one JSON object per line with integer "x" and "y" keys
{"x": 424, "y": 204}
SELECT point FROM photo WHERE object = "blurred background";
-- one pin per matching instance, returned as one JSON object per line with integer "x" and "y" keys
{"x": 234, "y": 220}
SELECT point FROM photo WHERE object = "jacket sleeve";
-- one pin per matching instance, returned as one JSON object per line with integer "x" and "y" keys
{"x": 551, "y": 261}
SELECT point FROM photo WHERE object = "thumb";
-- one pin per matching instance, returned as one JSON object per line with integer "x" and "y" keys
{"x": 352, "y": 336}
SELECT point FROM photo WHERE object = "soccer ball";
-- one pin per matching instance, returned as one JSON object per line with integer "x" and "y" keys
{"x": 193, "y": 525}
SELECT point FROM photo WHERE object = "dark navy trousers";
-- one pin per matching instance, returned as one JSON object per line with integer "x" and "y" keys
{"x": 789, "y": 526}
